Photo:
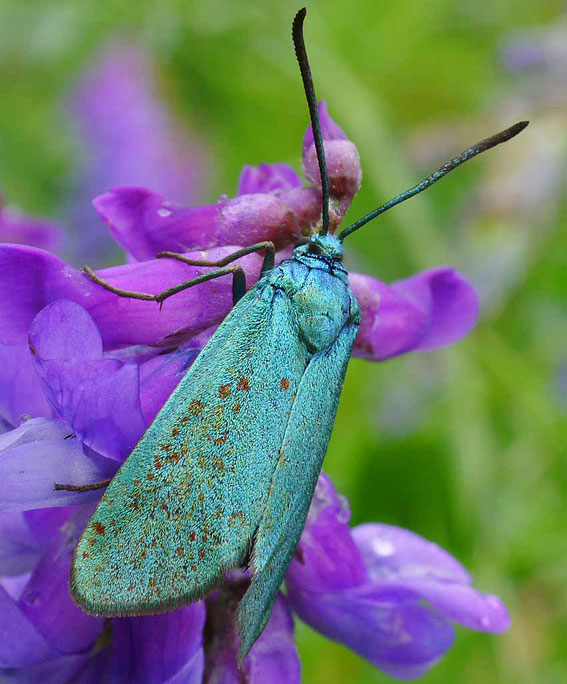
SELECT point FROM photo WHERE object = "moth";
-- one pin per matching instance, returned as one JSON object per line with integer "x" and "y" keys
{"x": 224, "y": 476}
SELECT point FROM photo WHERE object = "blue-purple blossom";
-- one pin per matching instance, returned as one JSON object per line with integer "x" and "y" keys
{"x": 128, "y": 136}
{"x": 89, "y": 371}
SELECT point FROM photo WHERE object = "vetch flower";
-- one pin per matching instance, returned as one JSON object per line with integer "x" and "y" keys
{"x": 128, "y": 135}
{"x": 383, "y": 591}
{"x": 92, "y": 370}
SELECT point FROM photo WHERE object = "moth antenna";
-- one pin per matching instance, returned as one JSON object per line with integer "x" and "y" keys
{"x": 309, "y": 88}
{"x": 461, "y": 158}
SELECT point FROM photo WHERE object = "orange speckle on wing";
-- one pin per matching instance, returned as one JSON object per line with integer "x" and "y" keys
{"x": 236, "y": 408}
{"x": 284, "y": 384}
{"x": 136, "y": 483}
{"x": 179, "y": 551}
{"x": 192, "y": 536}
{"x": 98, "y": 527}
{"x": 196, "y": 407}
{"x": 201, "y": 554}
{"x": 220, "y": 440}
{"x": 243, "y": 385}
{"x": 237, "y": 517}
{"x": 85, "y": 554}
{"x": 175, "y": 431}
{"x": 224, "y": 391}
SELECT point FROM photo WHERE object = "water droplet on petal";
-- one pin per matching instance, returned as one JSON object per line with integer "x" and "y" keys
{"x": 24, "y": 418}
{"x": 493, "y": 601}
{"x": 164, "y": 213}
{"x": 223, "y": 198}
{"x": 383, "y": 547}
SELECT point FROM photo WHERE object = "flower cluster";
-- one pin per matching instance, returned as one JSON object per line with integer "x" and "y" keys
{"x": 89, "y": 371}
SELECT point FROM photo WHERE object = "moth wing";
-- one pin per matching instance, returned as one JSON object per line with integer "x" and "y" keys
{"x": 299, "y": 464}
{"x": 184, "y": 506}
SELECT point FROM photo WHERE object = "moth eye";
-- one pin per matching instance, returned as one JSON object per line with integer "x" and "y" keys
{"x": 314, "y": 248}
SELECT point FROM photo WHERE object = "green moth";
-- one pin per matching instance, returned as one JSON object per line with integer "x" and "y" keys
{"x": 225, "y": 474}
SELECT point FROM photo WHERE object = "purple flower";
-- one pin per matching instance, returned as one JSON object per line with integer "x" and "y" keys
{"x": 129, "y": 136}
{"x": 93, "y": 369}
{"x": 25, "y": 230}
{"x": 385, "y": 592}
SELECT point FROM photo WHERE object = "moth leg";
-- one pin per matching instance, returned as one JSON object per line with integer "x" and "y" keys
{"x": 267, "y": 264}
{"x": 81, "y": 488}
{"x": 238, "y": 285}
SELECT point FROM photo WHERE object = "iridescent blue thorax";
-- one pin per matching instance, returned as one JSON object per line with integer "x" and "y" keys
{"x": 325, "y": 252}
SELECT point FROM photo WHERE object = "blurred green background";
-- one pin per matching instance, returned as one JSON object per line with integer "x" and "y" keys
{"x": 466, "y": 445}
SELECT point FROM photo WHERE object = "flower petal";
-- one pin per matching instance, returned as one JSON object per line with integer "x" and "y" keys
{"x": 20, "y": 389}
{"x": 327, "y": 559}
{"x": 402, "y": 558}
{"x": 55, "y": 671}
{"x": 273, "y": 658}
{"x": 153, "y": 649}
{"x": 160, "y": 376}
{"x": 330, "y": 130}
{"x": 267, "y": 178}
{"x": 21, "y": 644}
{"x": 429, "y": 310}
{"x": 145, "y": 222}
{"x": 29, "y": 471}
{"x": 19, "y": 550}
{"x": 30, "y": 279}
{"x": 46, "y": 600}
{"x": 391, "y": 551}
{"x": 400, "y": 637}
{"x": 80, "y": 384}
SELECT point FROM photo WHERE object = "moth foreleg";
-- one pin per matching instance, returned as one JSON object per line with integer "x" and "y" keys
{"x": 238, "y": 285}
{"x": 81, "y": 488}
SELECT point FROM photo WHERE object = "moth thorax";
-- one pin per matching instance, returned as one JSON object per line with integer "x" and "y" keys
{"x": 322, "y": 307}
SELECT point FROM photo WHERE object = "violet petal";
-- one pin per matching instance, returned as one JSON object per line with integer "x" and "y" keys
{"x": 160, "y": 376}
{"x": 267, "y": 178}
{"x": 402, "y": 638}
{"x": 327, "y": 558}
{"x": 153, "y": 649}
{"x": 330, "y": 130}
{"x": 46, "y": 600}
{"x": 395, "y": 556}
{"x": 20, "y": 389}
{"x": 432, "y": 309}
{"x": 80, "y": 384}
{"x": 59, "y": 670}
{"x": 21, "y": 644}
{"x": 19, "y": 550}
{"x": 30, "y": 279}
{"x": 145, "y": 222}
{"x": 29, "y": 472}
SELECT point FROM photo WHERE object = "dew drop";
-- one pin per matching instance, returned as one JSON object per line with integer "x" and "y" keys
{"x": 383, "y": 547}
{"x": 24, "y": 418}
{"x": 164, "y": 213}
{"x": 223, "y": 198}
